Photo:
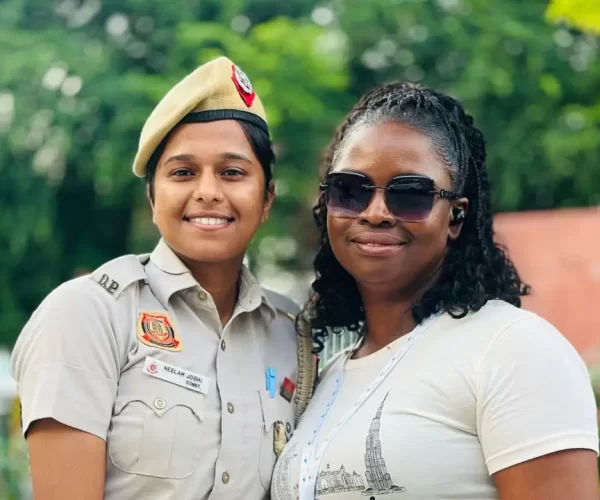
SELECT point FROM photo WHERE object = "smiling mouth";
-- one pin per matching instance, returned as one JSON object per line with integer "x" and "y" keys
{"x": 378, "y": 249}
{"x": 209, "y": 223}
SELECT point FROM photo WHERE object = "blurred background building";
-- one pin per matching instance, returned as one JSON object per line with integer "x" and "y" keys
{"x": 78, "y": 78}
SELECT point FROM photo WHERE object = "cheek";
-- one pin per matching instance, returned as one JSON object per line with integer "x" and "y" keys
{"x": 169, "y": 200}
{"x": 247, "y": 201}
{"x": 433, "y": 234}
{"x": 336, "y": 230}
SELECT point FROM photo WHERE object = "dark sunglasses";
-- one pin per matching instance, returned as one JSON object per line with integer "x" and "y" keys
{"x": 408, "y": 197}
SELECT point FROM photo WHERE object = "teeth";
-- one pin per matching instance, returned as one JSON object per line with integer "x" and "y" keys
{"x": 210, "y": 221}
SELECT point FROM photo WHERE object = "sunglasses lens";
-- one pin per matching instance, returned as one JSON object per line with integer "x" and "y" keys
{"x": 346, "y": 196}
{"x": 411, "y": 201}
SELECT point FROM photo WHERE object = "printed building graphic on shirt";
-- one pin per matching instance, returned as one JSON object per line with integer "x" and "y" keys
{"x": 338, "y": 481}
{"x": 378, "y": 478}
{"x": 379, "y": 482}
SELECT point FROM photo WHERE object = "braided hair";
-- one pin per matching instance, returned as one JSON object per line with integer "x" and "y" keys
{"x": 476, "y": 268}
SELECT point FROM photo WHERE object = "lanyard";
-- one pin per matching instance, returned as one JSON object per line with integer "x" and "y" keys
{"x": 313, "y": 451}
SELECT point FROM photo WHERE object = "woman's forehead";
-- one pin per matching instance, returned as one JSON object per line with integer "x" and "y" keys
{"x": 209, "y": 141}
{"x": 390, "y": 149}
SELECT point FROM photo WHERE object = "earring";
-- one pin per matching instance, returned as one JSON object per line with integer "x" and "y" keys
{"x": 458, "y": 215}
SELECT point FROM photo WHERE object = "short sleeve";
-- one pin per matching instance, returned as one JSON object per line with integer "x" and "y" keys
{"x": 66, "y": 360}
{"x": 534, "y": 397}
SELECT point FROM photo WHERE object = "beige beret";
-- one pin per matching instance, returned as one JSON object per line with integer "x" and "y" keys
{"x": 217, "y": 90}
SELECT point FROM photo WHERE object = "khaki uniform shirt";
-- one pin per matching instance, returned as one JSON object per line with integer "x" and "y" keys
{"x": 135, "y": 354}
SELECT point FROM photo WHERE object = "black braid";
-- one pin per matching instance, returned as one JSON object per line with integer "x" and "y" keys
{"x": 476, "y": 268}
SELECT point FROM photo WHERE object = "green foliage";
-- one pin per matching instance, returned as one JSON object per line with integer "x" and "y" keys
{"x": 582, "y": 14}
{"x": 78, "y": 79}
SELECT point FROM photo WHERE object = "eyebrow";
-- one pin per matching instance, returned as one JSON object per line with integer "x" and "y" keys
{"x": 236, "y": 156}
{"x": 181, "y": 157}
{"x": 191, "y": 158}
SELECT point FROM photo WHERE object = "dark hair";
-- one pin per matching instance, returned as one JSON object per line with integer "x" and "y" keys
{"x": 259, "y": 141}
{"x": 476, "y": 269}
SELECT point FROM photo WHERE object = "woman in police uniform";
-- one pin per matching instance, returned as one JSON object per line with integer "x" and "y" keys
{"x": 171, "y": 375}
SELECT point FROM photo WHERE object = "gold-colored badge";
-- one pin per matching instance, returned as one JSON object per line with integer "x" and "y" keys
{"x": 155, "y": 330}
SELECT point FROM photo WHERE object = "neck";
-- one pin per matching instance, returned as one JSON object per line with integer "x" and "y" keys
{"x": 387, "y": 319}
{"x": 388, "y": 314}
{"x": 221, "y": 281}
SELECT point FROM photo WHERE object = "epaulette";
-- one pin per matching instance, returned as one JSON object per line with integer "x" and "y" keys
{"x": 283, "y": 304}
{"x": 116, "y": 275}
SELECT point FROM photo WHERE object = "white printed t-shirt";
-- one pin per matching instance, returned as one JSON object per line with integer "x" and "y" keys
{"x": 471, "y": 397}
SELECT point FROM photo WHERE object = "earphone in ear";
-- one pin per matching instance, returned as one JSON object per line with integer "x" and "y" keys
{"x": 458, "y": 215}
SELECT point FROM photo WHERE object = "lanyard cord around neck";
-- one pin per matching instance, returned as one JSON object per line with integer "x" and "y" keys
{"x": 313, "y": 451}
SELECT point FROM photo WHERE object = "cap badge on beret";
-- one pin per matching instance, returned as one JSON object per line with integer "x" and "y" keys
{"x": 243, "y": 85}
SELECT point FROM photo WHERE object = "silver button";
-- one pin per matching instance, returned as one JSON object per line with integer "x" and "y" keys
{"x": 288, "y": 427}
{"x": 230, "y": 408}
{"x": 202, "y": 296}
{"x": 160, "y": 403}
{"x": 223, "y": 345}
{"x": 225, "y": 477}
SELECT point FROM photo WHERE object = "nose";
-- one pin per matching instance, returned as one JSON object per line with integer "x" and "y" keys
{"x": 207, "y": 188}
{"x": 377, "y": 212}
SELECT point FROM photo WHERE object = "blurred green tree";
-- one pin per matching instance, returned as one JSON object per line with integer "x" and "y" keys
{"x": 79, "y": 80}
{"x": 582, "y": 14}
{"x": 79, "y": 77}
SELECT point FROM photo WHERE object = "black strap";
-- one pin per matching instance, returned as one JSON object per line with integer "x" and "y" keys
{"x": 226, "y": 114}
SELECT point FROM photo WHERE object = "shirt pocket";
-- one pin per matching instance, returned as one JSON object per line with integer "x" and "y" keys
{"x": 155, "y": 427}
{"x": 274, "y": 410}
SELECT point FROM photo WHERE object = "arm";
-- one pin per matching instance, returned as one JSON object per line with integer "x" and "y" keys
{"x": 66, "y": 364}
{"x": 560, "y": 475}
{"x": 536, "y": 415}
{"x": 66, "y": 463}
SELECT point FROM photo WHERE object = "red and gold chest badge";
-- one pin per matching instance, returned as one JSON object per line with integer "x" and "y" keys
{"x": 287, "y": 389}
{"x": 155, "y": 330}
{"x": 243, "y": 85}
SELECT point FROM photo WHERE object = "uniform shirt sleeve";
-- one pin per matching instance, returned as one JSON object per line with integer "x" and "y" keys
{"x": 534, "y": 396}
{"x": 66, "y": 360}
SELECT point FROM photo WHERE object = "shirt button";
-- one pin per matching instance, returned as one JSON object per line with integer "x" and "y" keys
{"x": 223, "y": 346}
{"x": 160, "y": 403}
{"x": 288, "y": 427}
{"x": 202, "y": 296}
{"x": 230, "y": 408}
{"x": 225, "y": 477}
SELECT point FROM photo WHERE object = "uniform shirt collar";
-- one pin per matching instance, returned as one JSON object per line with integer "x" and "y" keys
{"x": 167, "y": 275}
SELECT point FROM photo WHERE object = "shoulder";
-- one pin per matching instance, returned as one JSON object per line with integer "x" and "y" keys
{"x": 529, "y": 372}
{"x": 510, "y": 324}
{"x": 495, "y": 320}
{"x": 117, "y": 275}
{"x": 282, "y": 304}
{"x": 85, "y": 311}
{"x": 92, "y": 295}
{"x": 522, "y": 338}
{"x": 498, "y": 334}
{"x": 496, "y": 315}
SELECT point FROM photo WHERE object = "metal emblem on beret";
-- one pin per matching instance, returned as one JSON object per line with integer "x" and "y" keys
{"x": 155, "y": 330}
{"x": 243, "y": 85}
{"x": 243, "y": 80}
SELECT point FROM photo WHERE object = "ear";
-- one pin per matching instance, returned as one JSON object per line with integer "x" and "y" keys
{"x": 150, "y": 202}
{"x": 458, "y": 214}
{"x": 269, "y": 198}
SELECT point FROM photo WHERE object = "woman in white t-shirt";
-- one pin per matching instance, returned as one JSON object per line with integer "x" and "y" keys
{"x": 452, "y": 391}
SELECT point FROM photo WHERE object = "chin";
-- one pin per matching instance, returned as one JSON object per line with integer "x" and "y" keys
{"x": 378, "y": 279}
{"x": 213, "y": 254}
{"x": 210, "y": 258}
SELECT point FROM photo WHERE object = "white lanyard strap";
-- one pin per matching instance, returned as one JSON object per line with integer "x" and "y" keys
{"x": 312, "y": 453}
